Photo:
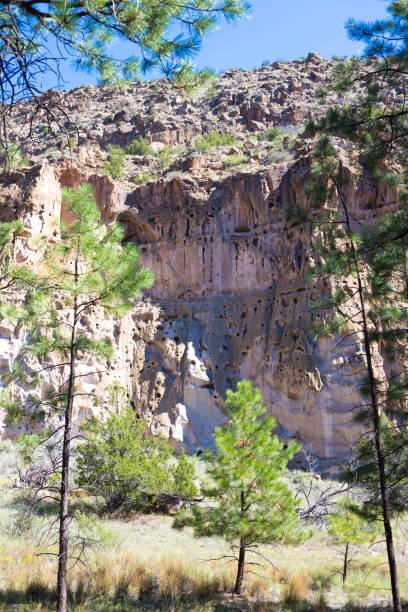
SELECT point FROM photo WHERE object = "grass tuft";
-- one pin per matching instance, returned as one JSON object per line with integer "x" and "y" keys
{"x": 296, "y": 588}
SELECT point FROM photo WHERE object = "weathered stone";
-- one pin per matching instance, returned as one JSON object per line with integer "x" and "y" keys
{"x": 229, "y": 299}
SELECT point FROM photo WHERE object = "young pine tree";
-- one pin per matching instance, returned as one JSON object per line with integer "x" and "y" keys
{"x": 252, "y": 505}
{"x": 88, "y": 267}
{"x": 184, "y": 475}
{"x": 348, "y": 528}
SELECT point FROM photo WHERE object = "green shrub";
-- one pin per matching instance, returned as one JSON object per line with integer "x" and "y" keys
{"x": 235, "y": 160}
{"x": 140, "y": 146}
{"x": 145, "y": 177}
{"x": 114, "y": 166}
{"x": 12, "y": 157}
{"x": 167, "y": 156}
{"x": 214, "y": 139}
{"x": 280, "y": 156}
{"x": 123, "y": 464}
{"x": 271, "y": 134}
{"x": 118, "y": 464}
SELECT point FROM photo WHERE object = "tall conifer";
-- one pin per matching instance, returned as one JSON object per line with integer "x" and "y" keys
{"x": 88, "y": 267}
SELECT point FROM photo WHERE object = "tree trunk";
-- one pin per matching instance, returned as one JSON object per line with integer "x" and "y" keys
{"x": 345, "y": 562}
{"x": 240, "y": 572}
{"x": 377, "y": 426}
{"x": 66, "y": 455}
{"x": 242, "y": 548}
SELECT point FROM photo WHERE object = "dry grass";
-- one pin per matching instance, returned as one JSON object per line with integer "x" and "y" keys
{"x": 296, "y": 588}
{"x": 144, "y": 560}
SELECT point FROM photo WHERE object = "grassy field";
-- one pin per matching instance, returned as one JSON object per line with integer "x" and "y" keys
{"x": 142, "y": 563}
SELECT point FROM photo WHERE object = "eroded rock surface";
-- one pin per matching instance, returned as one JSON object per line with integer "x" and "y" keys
{"x": 229, "y": 300}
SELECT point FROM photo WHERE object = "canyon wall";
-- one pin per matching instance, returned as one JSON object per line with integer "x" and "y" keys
{"x": 229, "y": 299}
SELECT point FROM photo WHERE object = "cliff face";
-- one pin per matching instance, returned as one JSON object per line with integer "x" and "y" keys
{"x": 229, "y": 299}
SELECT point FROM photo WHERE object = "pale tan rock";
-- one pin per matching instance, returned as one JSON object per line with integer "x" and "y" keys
{"x": 229, "y": 299}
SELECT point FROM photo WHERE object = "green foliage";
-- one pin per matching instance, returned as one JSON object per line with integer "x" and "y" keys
{"x": 115, "y": 164}
{"x": 278, "y": 157}
{"x": 235, "y": 160}
{"x": 214, "y": 139}
{"x": 346, "y": 525}
{"x": 162, "y": 35}
{"x": 252, "y": 503}
{"x": 140, "y": 146}
{"x": 145, "y": 177}
{"x": 120, "y": 464}
{"x": 123, "y": 464}
{"x": 212, "y": 91}
{"x": 90, "y": 266}
{"x": 364, "y": 472}
{"x": 184, "y": 475}
{"x": 10, "y": 153}
{"x": 27, "y": 444}
{"x": 271, "y": 134}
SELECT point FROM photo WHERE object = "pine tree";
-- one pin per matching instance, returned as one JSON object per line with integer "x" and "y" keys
{"x": 374, "y": 116}
{"x": 340, "y": 253}
{"x": 183, "y": 478}
{"x": 252, "y": 505}
{"x": 347, "y": 527}
{"x": 88, "y": 267}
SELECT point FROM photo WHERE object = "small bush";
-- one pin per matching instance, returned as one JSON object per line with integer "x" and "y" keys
{"x": 11, "y": 157}
{"x": 280, "y": 156}
{"x": 114, "y": 166}
{"x": 234, "y": 160}
{"x": 296, "y": 588}
{"x": 145, "y": 177}
{"x": 271, "y": 134}
{"x": 214, "y": 139}
{"x": 140, "y": 146}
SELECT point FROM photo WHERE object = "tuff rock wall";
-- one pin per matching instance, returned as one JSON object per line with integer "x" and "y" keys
{"x": 229, "y": 300}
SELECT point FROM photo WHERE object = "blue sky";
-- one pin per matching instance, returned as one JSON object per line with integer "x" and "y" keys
{"x": 277, "y": 29}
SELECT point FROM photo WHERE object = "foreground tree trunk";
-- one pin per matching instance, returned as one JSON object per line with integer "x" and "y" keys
{"x": 241, "y": 564}
{"x": 66, "y": 456}
{"x": 345, "y": 563}
{"x": 376, "y": 422}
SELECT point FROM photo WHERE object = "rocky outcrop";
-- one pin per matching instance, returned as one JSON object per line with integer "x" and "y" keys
{"x": 229, "y": 299}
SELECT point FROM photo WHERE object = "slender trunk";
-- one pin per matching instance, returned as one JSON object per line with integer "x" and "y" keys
{"x": 240, "y": 572}
{"x": 377, "y": 426}
{"x": 406, "y": 275}
{"x": 66, "y": 455}
{"x": 345, "y": 563}
{"x": 241, "y": 557}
